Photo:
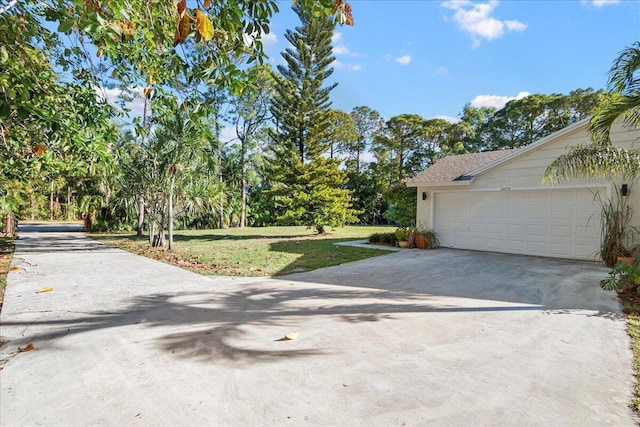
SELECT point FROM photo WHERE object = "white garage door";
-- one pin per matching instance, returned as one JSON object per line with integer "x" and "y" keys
{"x": 561, "y": 223}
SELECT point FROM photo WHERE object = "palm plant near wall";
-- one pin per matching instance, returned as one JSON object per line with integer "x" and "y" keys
{"x": 601, "y": 157}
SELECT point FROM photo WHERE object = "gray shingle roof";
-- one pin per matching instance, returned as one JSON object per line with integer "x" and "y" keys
{"x": 456, "y": 167}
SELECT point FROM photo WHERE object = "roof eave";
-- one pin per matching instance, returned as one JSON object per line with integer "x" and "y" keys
{"x": 441, "y": 184}
{"x": 534, "y": 146}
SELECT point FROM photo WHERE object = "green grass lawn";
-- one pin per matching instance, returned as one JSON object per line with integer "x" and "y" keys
{"x": 267, "y": 251}
{"x": 6, "y": 253}
{"x": 630, "y": 301}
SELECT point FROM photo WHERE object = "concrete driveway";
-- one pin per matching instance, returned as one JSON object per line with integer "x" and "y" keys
{"x": 416, "y": 337}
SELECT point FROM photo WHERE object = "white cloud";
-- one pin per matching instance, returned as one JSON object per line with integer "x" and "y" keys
{"x": 601, "y": 3}
{"x": 132, "y": 97}
{"x": 448, "y": 119}
{"x": 228, "y": 134}
{"x": 336, "y": 37}
{"x": 514, "y": 25}
{"x": 476, "y": 19}
{"x": 441, "y": 70}
{"x": 269, "y": 41}
{"x": 249, "y": 39}
{"x": 495, "y": 101}
{"x": 403, "y": 60}
{"x": 109, "y": 95}
{"x": 339, "y": 65}
{"x": 340, "y": 50}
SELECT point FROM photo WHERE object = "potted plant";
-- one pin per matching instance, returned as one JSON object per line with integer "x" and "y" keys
{"x": 426, "y": 239}
{"x": 622, "y": 271}
{"x": 617, "y": 235}
{"x": 402, "y": 235}
{"x": 627, "y": 256}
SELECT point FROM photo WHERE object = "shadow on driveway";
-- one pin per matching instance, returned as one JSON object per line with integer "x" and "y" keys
{"x": 549, "y": 283}
{"x": 416, "y": 337}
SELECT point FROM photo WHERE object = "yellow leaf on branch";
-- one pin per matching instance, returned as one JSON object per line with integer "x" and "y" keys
{"x": 204, "y": 26}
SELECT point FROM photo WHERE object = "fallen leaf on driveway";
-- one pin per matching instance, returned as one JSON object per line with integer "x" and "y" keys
{"x": 26, "y": 348}
{"x": 291, "y": 336}
{"x": 47, "y": 289}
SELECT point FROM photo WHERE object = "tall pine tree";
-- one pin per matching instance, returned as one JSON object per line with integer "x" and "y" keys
{"x": 306, "y": 187}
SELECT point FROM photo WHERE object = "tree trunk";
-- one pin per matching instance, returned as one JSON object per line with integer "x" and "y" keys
{"x": 152, "y": 232}
{"x": 243, "y": 182}
{"x": 170, "y": 213}
{"x": 146, "y": 126}
{"x": 32, "y": 206}
{"x": 158, "y": 240}
{"x": 220, "y": 177}
{"x": 51, "y": 203}
{"x": 140, "y": 227}
{"x": 243, "y": 208}
{"x": 69, "y": 203}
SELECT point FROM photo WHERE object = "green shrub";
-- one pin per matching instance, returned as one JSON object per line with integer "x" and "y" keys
{"x": 384, "y": 238}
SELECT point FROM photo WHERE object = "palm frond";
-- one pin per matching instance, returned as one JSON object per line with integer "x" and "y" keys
{"x": 622, "y": 73}
{"x": 624, "y": 99}
{"x": 584, "y": 161}
{"x": 614, "y": 107}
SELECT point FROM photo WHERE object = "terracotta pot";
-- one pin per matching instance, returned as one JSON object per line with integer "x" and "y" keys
{"x": 627, "y": 259}
{"x": 403, "y": 243}
{"x": 422, "y": 242}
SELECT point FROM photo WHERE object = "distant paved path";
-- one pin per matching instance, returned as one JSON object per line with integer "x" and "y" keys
{"x": 416, "y": 337}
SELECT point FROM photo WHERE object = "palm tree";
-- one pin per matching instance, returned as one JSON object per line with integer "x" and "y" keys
{"x": 624, "y": 101}
{"x": 601, "y": 157}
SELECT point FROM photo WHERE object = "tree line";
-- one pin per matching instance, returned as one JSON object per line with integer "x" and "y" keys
{"x": 294, "y": 160}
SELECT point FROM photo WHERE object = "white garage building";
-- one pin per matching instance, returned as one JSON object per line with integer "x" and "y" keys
{"x": 495, "y": 201}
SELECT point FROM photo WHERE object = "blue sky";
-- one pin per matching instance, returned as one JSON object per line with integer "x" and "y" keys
{"x": 432, "y": 57}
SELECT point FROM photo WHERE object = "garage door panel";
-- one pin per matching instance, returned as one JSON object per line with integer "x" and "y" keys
{"x": 515, "y": 213}
{"x": 587, "y": 215}
{"x": 537, "y": 248}
{"x": 495, "y": 214}
{"x": 562, "y": 213}
{"x": 517, "y": 229}
{"x": 551, "y": 222}
{"x": 495, "y": 228}
{"x": 538, "y": 230}
{"x": 587, "y": 197}
{"x": 562, "y": 231}
{"x": 537, "y": 213}
{"x": 515, "y": 246}
{"x": 476, "y": 228}
{"x": 495, "y": 244}
{"x": 588, "y": 234}
{"x": 559, "y": 249}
